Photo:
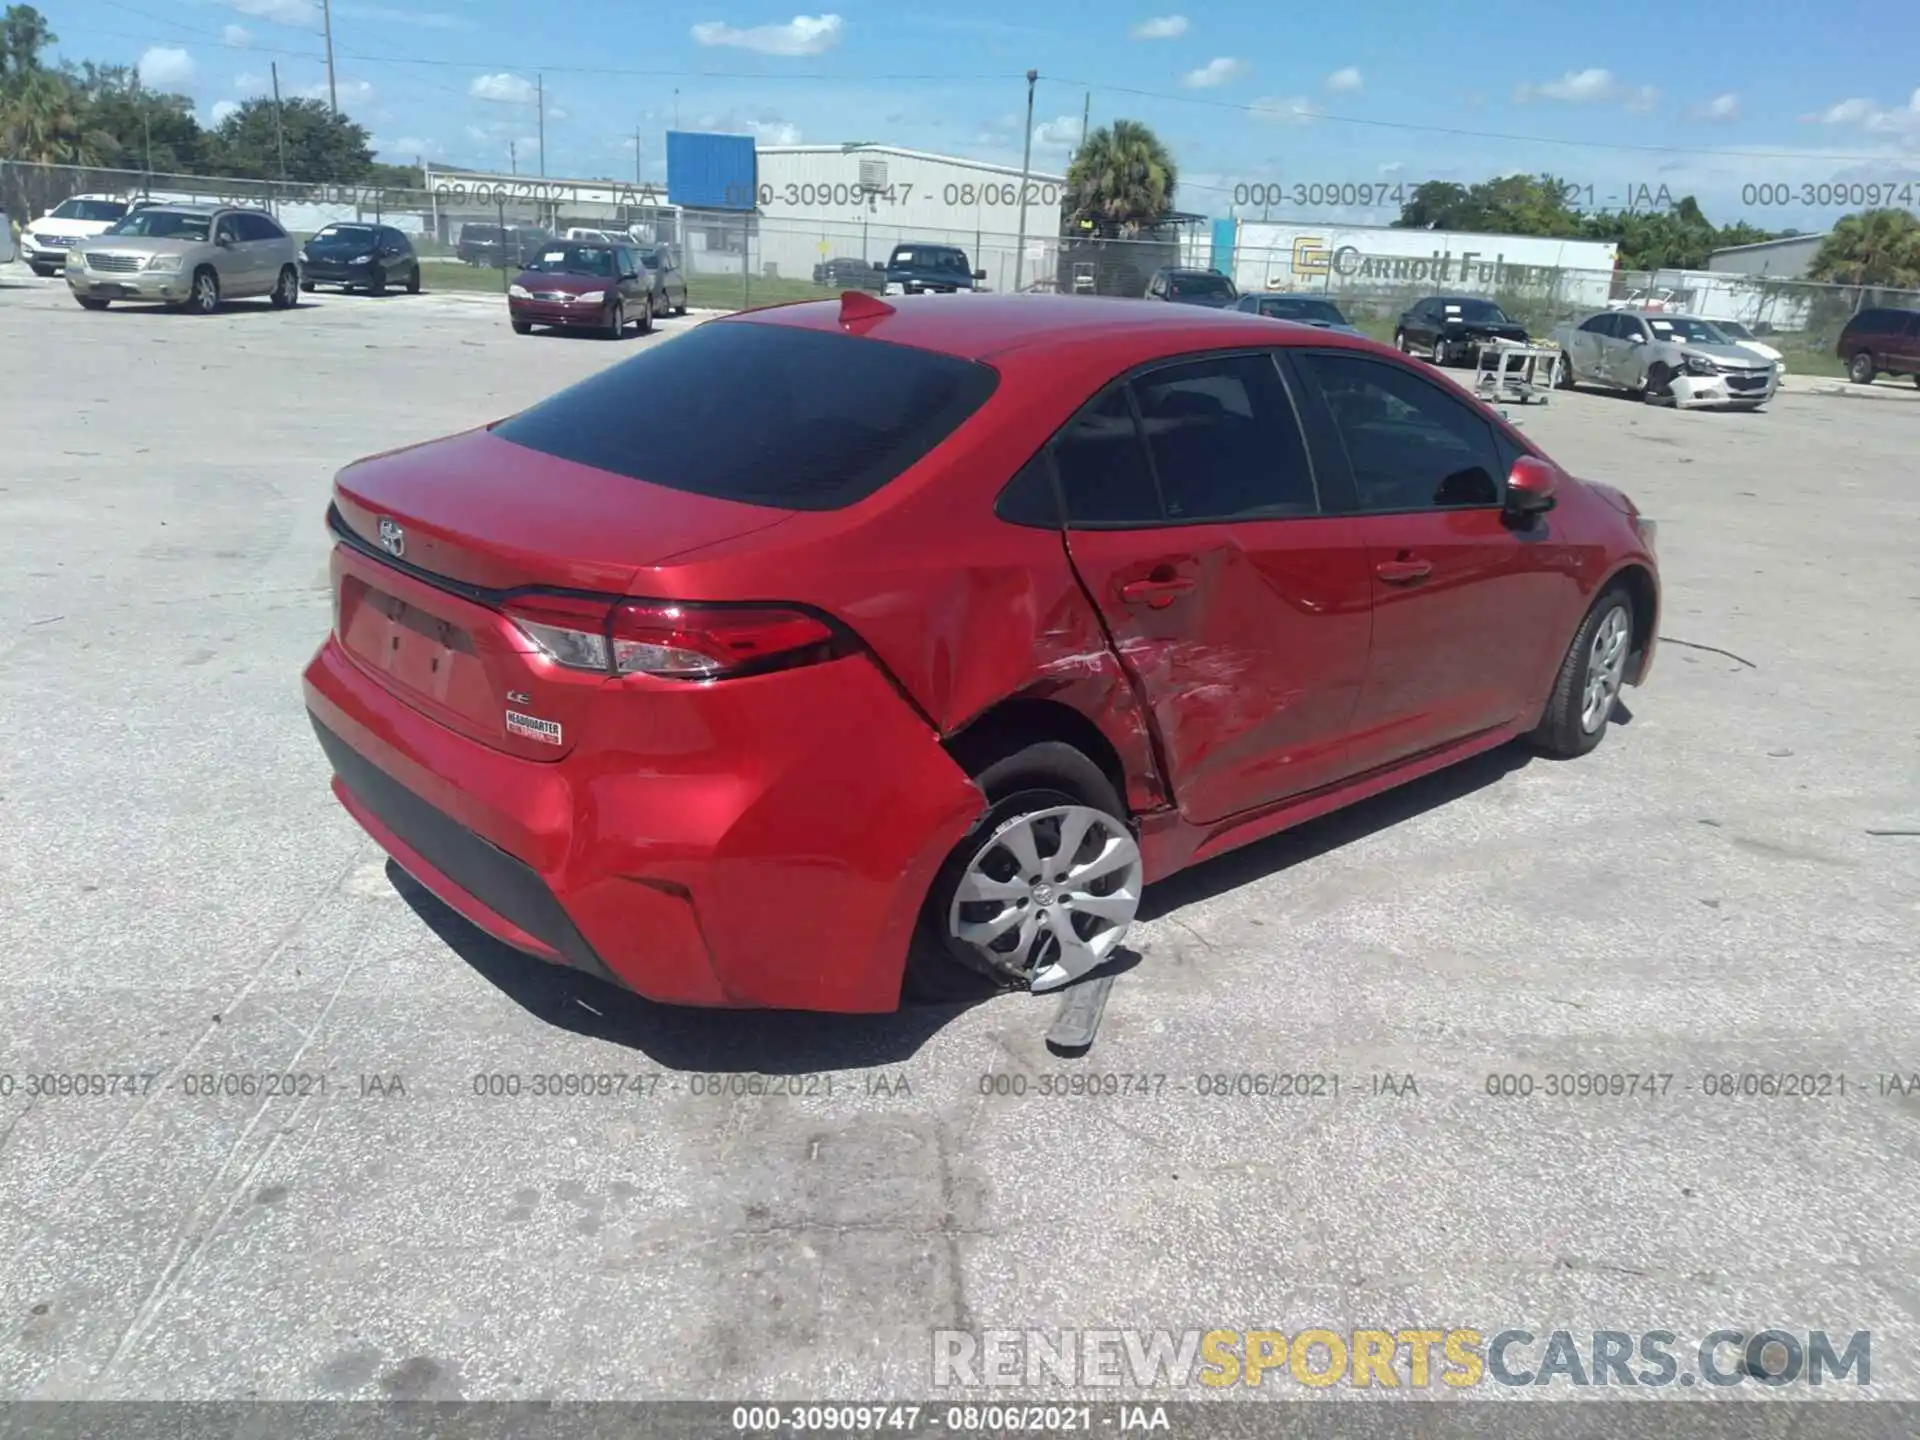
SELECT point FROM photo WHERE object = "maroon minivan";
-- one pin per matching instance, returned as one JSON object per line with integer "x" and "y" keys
{"x": 1881, "y": 340}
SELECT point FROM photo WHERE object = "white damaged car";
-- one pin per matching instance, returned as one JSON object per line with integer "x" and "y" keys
{"x": 1666, "y": 359}
{"x": 44, "y": 243}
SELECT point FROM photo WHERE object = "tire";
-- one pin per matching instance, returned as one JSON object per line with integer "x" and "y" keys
{"x": 1916, "y": 377}
{"x": 681, "y": 309}
{"x": 286, "y": 289}
{"x": 1659, "y": 387}
{"x": 205, "y": 298}
{"x": 1021, "y": 789}
{"x": 1860, "y": 368}
{"x": 45, "y": 272}
{"x": 523, "y": 327}
{"x": 1582, "y": 701}
{"x": 1563, "y": 378}
{"x": 376, "y": 281}
{"x": 1400, "y": 342}
{"x": 1440, "y": 351}
{"x": 616, "y": 326}
{"x": 647, "y": 317}
{"x": 413, "y": 280}
{"x": 92, "y": 302}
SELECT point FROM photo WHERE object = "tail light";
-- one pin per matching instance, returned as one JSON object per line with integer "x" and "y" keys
{"x": 671, "y": 639}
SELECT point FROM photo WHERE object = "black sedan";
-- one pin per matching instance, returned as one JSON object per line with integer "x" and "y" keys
{"x": 359, "y": 256}
{"x": 1450, "y": 327}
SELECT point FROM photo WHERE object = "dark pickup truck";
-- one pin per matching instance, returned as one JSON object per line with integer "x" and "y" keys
{"x": 509, "y": 246}
{"x": 930, "y": 270}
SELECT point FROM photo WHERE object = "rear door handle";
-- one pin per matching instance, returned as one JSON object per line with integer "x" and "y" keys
{"x": 1155, "y": 592}
{"x": 1403, "y": 572}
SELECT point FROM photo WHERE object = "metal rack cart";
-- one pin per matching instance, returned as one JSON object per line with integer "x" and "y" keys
{"x": 1523, "y": 374}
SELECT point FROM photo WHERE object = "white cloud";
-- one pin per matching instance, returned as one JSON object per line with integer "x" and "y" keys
{"x": 766, "y": 126}
{"x": 162, "y": 66}
{"x": 248, "y": 83}
{"x": 1868, "y": 115}
{"x": 1214, "y": 72}
{"x": 554, "y": 112}
{"x": 774, "y": 132}
{"x": 419, "y": 19}
{"x": 1588, "y": 87}
{"x": 1161, "y": 27}
{"x": 505, "y": 88}
{"x": 1344, "y": 80}
{"x": 1720, "y": 107}
{"x": 1288, "y": 110}
{"x": 802, "y": 35}
{"x": 238, "y": 36}
{"x": 349, "y": 92}
{"x": 405, "y": 147}
{"x": 220, "y": 111}
{"x": 300, "y": 13}
{"x": 1060, "y": 134}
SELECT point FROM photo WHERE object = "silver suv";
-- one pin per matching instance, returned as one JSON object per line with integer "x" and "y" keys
{"x": 188, "y": 256}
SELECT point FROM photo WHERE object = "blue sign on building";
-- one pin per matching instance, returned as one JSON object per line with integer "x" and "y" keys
{"x": 711, "y": 172}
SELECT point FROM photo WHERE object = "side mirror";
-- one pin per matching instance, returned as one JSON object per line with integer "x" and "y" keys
{"x": 1636, "y": 339}
{"x": 225, "y": 242}
{"x": 1530, "y": 486}
{"x": 979, "y": 274}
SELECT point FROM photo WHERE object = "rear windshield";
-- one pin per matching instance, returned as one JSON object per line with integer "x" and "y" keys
{"x": 765, "y": 414}
{"x": 88, "y": 210}
{"x": 1208, "y": 285}
{"x": 480, "y": 233}
{"x": 362, "y": 234}
{"x": 1287, "y": 308}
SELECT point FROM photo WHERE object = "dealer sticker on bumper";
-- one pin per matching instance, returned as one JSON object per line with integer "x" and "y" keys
{"x": 533, "y": 727}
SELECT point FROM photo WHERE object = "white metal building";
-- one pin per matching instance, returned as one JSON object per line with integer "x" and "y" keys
{"x": 1786, "y": 259}
{"x": 822, "y": 202}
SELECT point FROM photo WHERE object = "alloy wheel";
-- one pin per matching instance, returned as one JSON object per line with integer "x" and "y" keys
{"x": 1049, "y": 894}
{"x": 1606, "y": 668}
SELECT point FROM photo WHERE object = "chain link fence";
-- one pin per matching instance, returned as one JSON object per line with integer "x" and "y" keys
{"x": 474, "y": 232}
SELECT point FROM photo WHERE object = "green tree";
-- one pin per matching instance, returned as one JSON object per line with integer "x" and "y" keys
{"x": 45, "y": 121}
{"x": 1506, "y": 205}
{"x": 1122, "y": 180}
{"x": 320, "y": 145}
{"x": 149, "y": 130}
{"x": 23, "y": 35}
{"x": 1875, "y": 247}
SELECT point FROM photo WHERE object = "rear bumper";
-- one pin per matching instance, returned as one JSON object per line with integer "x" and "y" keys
{"x": 773, "y": 853}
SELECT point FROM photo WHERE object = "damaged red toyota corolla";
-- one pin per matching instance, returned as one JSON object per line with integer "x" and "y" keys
{"x": 926, "y": 634}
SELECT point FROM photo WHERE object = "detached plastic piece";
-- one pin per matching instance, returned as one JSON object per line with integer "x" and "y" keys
{"x": 857, "y": 305}
{"x": 1078, "y": 1020}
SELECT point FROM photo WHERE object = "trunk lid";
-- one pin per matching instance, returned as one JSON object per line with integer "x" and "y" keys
{"x": 438, "y": 533}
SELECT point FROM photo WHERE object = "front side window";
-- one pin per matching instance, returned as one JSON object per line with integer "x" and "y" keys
{"x": 257, "y": 227}
{"x": 1224, "y": 441}
{"x": 1411, "y": 446}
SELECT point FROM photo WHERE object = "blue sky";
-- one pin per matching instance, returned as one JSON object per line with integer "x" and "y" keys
{"x": 1619, "y": 100}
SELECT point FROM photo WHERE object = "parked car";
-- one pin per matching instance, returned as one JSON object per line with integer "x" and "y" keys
{"x": 1314, "y": 310}
{"x": 1192, "y": 287}
{"x": 45, "y": 242}
{"x": 1453, "y": 327}
{"x": 358, "y": 256}
{"x": 669, "y": 281}
{"x": 1747, "y": 340}
{"x": 1880, "y": 340}
{"x": 1665, "y": 359}
{"x": 498, "y": 246}
{"x": 599, "y": 237}
{"x": 845, "y": 274}
{"x": 915, "y": 645}
{"x": 1658, "y": 298}
{"x": 930, "y": 270}
{"x": 188, "y": 256}
{"x": 572, "y": 285}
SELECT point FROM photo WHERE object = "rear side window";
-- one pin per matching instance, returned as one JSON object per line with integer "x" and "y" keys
{"x": 763, "y": 414}
{"x": 1224, "y": 440}
{"x": 1104, "y": 476}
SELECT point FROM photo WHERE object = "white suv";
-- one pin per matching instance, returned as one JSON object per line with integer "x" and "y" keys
{"x": 44, "y": 243}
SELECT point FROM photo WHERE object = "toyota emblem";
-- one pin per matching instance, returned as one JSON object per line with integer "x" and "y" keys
{"x": 393, "y": 539}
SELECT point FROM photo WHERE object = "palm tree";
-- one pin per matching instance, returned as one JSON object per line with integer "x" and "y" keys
{"x": 1876, "y": 247}
{"x": 1122, "y": 179}
{"x": 45, "y": 122}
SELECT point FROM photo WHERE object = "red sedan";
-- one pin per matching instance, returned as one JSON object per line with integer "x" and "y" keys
{"x": 928, "y": 633}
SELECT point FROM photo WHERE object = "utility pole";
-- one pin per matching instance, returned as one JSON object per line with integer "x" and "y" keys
{"x": 279, "y": 131}
{"x": 513, "y": 160}
{"x": 1086, "y": 121}
{"x": 1026, "y": 170}
{"x": 326, "y": 21}
{"x": 540, "y": 99}
{"x": 676, "y": 108}
{"x": 636, "y": 155}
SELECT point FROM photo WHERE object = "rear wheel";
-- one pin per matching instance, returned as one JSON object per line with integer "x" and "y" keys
{"x": 1039, "y": 892}
{"x": 1860, "y": 368}
{"x": 616, "y": 321}
{"x": 646, "y": 317}
{"x": 91, "y": 302}
{"x": 1659, "y": 386}
{"x": 1589, "y": 679}
{"x": 681, "y": 309}
{"x": 286, "y": 289}
{"x": 1563, "y": 372}
{"x": 1400, "y": 342}
{"x": 1440, "y": 350}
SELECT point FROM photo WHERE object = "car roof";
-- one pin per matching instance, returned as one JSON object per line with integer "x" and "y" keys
{"x": 982, "y": 326}
{"x": 1289, "y": 295}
